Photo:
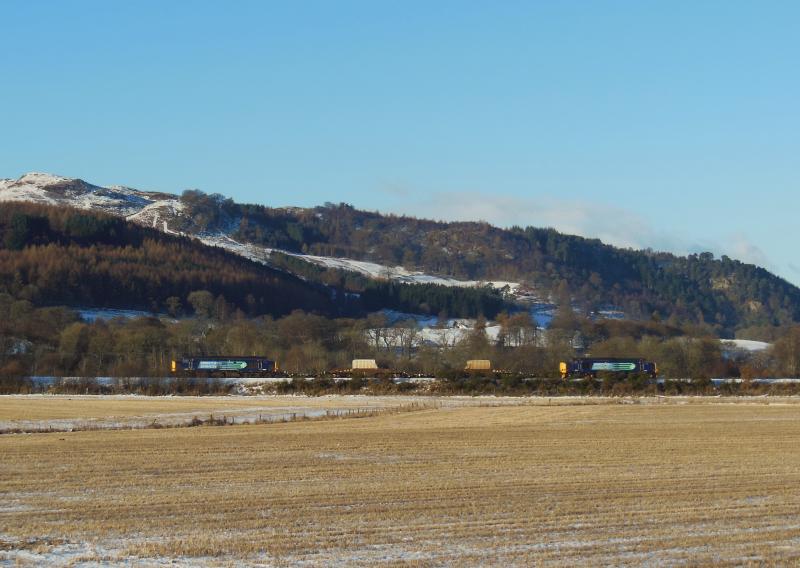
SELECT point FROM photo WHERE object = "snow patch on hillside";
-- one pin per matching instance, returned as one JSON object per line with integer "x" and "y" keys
{"x": 366, "y": 268}
{"x": 399, "y": 273}
{"x": 746, "y": 344}
{"x": 157, "y": 214}
{"x": 249, "y": 251}
{"x": 112, "y": 202}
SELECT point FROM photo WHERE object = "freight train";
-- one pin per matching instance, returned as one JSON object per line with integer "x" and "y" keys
{"x": 588, "y": 367}
{"x": 223, "y": 366}
{"x": 239, "y": 366}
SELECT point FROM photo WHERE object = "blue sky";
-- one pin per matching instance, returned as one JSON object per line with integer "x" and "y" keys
{"x": 671, "y": 125}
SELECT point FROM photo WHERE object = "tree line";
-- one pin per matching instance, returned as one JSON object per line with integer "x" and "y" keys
{"x": 54, "y": 341}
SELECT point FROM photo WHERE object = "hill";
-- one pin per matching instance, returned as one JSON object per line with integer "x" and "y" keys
{"x": 549, "y": 266}
{"x": 352, "y": 250}
{"x": 64, "y": 256}
{"x": 51, "y": 255}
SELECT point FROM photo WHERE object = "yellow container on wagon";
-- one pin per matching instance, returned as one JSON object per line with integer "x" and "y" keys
{"x": 478, "y": 365}
{"x": 364, "y": 364}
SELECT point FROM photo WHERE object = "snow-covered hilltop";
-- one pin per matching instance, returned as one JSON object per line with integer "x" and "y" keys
{"x": 50, "y": 189}
{"x": 34, "y": 186}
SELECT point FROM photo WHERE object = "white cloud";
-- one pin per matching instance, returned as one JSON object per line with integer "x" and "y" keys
{"x": 741, "y": 248}
{"x": 614, "y": 225}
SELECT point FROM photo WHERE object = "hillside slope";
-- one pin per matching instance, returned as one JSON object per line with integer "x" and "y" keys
{"x": 332, "y": 243}
{"x": 55, "y": 255}
{"x": 560, "y": 268}
{"x": 64, "y": 256}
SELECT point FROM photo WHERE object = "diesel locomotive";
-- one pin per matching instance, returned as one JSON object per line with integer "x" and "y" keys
{"x": 224, "y": 366}
{"x": 588, "y": 367}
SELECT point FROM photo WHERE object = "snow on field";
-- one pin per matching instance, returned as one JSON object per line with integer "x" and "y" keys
{"x": 542, "y": 314}
{"x": 746, "y": 344}
{"x": 428, "y": 332}
{"x": 450, "y": 336}
{"x": 263, "y": 409}
{"x": 174, "y": 419}
{"x": 772, "y": 381}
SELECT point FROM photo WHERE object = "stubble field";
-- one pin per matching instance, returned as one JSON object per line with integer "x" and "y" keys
{"x": 599, "y": 484}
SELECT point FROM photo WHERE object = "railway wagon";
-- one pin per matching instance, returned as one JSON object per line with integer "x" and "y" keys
{"x": 586, "y": 367}
{"x": 364, "y": 365}
{"x": 478, "y": 365}
{"x": 227, "y": 365}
